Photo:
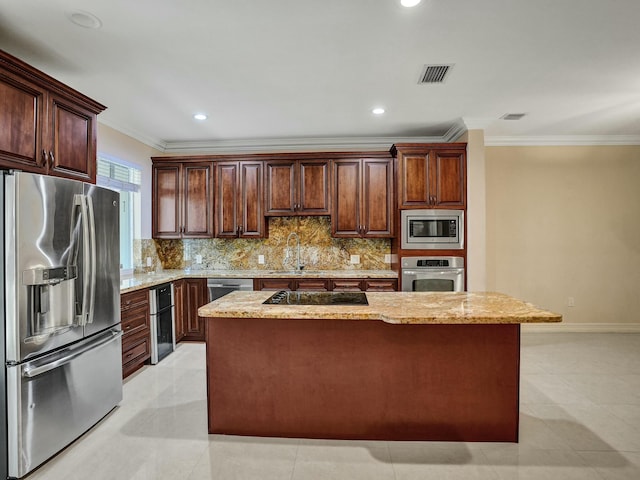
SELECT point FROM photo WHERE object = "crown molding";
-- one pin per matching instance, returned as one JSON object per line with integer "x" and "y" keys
{"x": 295, "y": 144}
{"x": 152, "y": 142}
{"x": 458, "y": 128}
{"x": 561, "y": 140}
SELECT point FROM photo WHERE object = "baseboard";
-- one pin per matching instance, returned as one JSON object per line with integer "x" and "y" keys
{"x": 581, "y": 327}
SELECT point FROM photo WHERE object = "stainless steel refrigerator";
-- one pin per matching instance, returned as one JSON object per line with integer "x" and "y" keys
{"x": 61, "y": 304}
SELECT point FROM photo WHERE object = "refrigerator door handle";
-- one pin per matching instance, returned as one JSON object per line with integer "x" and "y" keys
{"x": 92, "y": 256}
{"x": 31, "y": 372}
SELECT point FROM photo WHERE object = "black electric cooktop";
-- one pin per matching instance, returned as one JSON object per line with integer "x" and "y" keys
{"x": 284, "y": 297}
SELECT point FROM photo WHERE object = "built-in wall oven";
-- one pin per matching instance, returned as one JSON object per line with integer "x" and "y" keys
{"x": 432, "y": 274}
{"x": 163, "y": 338}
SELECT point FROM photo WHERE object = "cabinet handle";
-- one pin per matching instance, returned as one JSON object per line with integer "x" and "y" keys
{"x": 44, "y": 158}
{"x": 52, "y": 159}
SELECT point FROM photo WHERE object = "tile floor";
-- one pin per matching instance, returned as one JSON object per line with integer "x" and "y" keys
{"x": 580, "y": 419}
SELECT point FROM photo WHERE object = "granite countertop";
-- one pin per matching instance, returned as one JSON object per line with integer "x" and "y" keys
{"x": 391, "y": 307}
{"x": 138, "y": 282}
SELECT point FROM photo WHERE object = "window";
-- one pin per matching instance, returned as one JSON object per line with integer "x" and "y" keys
{"x": 125, "y": 179}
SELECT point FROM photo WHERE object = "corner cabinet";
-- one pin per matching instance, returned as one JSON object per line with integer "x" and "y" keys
{"x": 431, "y": 175}
{"x": 182, "y": 205}
{"x": 45, "y": 126}
{"x": 239, "y": 201}
{"x": 362, "y": 198}
{"x": 297, "y": 187}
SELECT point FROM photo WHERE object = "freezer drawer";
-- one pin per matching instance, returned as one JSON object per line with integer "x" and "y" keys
{"x": 53, "y": 400}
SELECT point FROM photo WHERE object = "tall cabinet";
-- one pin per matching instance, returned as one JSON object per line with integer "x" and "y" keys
{"x": 239, "y": 202}
{"x": 45, "y": 126}
{"x": 362, "y": 198}
{"x": 182, "y": 205}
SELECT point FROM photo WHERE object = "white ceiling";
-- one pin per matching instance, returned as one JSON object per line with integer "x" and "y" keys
{"x": 305, "y": 72}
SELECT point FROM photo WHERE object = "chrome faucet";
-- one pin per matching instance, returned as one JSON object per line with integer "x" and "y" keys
{"x": 287, "y": 254}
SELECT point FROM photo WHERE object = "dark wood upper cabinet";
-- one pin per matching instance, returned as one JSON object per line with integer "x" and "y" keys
{"x": 431, "y": 175}
{"x": 297, "y": 187}
{"x": 239, "y": 200}
{"x": 45, "y": 126}
{"x": 362, "y": 198}
{"x": 182, "y": 205}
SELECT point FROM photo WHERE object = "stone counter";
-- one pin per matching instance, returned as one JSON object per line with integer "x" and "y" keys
{"x": 138, "y": 282}
{"x": 391, "y": 307}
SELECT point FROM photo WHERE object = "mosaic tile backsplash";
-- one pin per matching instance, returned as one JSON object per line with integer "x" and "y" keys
{"x": 318, "y": 250}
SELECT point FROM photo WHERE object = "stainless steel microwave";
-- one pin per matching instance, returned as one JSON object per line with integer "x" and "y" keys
{"x": 432, "y": 229}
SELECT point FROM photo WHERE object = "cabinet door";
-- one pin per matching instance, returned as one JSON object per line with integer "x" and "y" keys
{"x": 447, "y": 183}
{"x": 179, "y": 308}
{"x": 166, "y": 204}
{"x": 196, "y": 296}
{"x": 71, "y": 140}
{"x": 314, "y": 188}
{"x": 345, "y": 218}
{"x": 280, "y": 189}
{"x": 252, "y": 224}
{"x": 197, "y": 201}
{"x": 414, "y": 180}
{"x": 227, "y": 200}
{"x": 377, "y": 198}
{"x": 22, "y": 112}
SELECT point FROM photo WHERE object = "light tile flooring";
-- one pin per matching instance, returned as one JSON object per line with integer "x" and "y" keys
{"x": 580, "y": 419}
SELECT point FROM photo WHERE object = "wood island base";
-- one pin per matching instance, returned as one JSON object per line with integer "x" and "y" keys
{"x": 363, "y": 379}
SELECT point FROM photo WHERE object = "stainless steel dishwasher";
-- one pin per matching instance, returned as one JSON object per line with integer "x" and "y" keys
{"x": 219, "y": 287}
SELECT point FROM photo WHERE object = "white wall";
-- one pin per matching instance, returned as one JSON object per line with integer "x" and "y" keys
{"x": 117, "y": 145}
{"x": 565, "y": 222}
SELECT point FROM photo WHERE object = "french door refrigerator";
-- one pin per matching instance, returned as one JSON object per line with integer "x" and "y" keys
{"x": 61, "y": 303}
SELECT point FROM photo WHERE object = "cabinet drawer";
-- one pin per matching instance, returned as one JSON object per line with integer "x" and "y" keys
{"x": 135, "y": 352}
{"x": 134, "y": 299}
{"x": 136, "y": 320}
{"x": 390, "y": 285}
{"x": 346, "y": 285}
{"x": 313, "y": 285}
{"x": 276, "y": 284}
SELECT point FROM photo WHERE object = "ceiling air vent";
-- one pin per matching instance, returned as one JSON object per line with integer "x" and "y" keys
{"x": 512, "y": 116}
{"x": 434, "y": 73}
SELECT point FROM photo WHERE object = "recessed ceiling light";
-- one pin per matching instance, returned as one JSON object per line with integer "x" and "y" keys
{"x": 84, "y": 19}
{"x": 199, "y": 116}
{"x": 409, "y": 3}
{"x": 378, "y": 111}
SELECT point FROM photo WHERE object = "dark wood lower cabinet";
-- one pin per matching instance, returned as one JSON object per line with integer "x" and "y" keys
{"x": 326, "y": 284}
{"x": 136, "y": 328}
{"x": 196, "y": 295}
{"x": 179, "y": 312}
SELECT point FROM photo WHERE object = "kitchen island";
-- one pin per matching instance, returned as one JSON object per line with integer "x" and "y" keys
{"x": 407, "y": 366}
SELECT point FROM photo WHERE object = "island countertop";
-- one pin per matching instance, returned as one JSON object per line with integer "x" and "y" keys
{"x": 391, "y": 307}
